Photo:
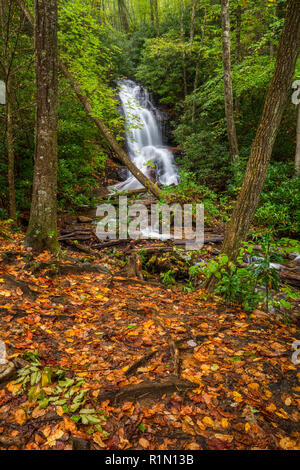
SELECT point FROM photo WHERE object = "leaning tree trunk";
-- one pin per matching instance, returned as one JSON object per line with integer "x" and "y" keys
{"x": 42, "y": 229}
{"x": 268, "y": 127}
{"x": 232, "y": 137}
{"x": 153, "y": 188}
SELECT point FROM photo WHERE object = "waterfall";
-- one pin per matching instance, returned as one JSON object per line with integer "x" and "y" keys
{"x": 144, "y": 138}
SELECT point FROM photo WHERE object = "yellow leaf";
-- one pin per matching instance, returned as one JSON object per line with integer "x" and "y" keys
{"x": 237, "y": 397}
{"x": 20, "y": 416}
{"x": 82, "y": 374}
{"x": 37, "y": 412}
{"x": 98, "y": 439}
{"x": 287, "y": 444}
{"x": 59, "y": 410}
{"x": 208, "y": 421}
{"x": 254, "y": 386}
{"x": 247, "y": 427}
{"x": 144, "y": 443}
{"x": 53, "y": 438}
{"x": 224, "y": 437}
{"x": 224, "y": 423}
{"x": 13, "y": 388}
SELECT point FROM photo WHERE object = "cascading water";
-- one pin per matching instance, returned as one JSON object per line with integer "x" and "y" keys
{"x": 144, "y": 138}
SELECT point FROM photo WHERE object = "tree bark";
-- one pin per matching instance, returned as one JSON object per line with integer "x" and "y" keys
{"x": 153, "y": 188}
{"x": 268, "y": 127}
{"x": 297, "y": 155}
{"x": 10, "y": 152}
{"x": 151, "y": 13}
{"x": 238, "y": 48}
{"x": 232, "y": 137}
{"x": 123, "y": 15}
{"x": 156, "y": 17}
{"x": 42, "y": 229}
{"x": 6, "y": 17}
{"x": 192, "y": 30}
{"x": 183, "y": 47}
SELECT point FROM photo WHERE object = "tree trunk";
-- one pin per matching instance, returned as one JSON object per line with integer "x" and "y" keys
{"x": 10, "y": 152}
{"x": 42, "y": 229}
{"x": 268, "y": 127}
{"x": 6, "y": 16}
{"x": 297, "y": 156}
{"x": 156, "y": 17}
{"x": 123, "y": 15}
{"x": 183, "y": 47}
{"x": 238, "y": 48}
{"x": 196, "y": 81}
{"x": 153, "y": 188}
{"x": 232, "y": 137}
{"x": 151, "y": 13}
{"x": 192, "y": 30}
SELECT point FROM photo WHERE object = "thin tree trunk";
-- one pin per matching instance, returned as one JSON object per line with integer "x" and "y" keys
{"x": 192, "y": 30}
{"x": 123, "y": 15}
{"x": 153, "y": 188}
{"x": 267, "y": 131}
{"x": 42, "y": 229}
{"x": 151, "y": 13}
{"x": 183, "y": 47}
{"x": 232, "y": 137}
{"x": 156, "y": 17}
{"x": 238, "y": 48}
{"x": 297, "y": 156}
{"x": 196, "y": 81}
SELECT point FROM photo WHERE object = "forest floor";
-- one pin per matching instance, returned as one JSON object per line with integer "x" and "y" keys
{"x": 151, "y": 367}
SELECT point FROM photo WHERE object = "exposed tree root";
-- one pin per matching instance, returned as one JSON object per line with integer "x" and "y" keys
{"x": 134, "y": 392}
{"x": 141, "y": 362}
{"x": 54, "y": 268}
{"x": 17, "y": 284}
{"x": 11, "y": 441}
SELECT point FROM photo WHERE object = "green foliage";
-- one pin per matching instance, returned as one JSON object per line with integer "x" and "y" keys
{"x": 254, "y": 284}
{"x": 65, "y": 392}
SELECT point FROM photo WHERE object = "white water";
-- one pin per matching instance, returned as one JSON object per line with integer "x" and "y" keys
{"x": 144, "y": 137}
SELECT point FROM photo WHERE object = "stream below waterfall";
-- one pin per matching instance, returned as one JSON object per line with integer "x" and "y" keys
{"x": 144, "y": 138}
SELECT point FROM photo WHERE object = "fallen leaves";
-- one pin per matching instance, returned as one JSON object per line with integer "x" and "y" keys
{"x": 246, "y": 393}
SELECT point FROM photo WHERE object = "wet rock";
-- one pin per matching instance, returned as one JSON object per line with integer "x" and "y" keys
{"x": 7, "y": 368}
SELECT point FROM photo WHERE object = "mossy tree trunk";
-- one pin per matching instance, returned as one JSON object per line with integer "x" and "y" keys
{"x": 6, "y": 15}
{"x": 42, "y": 229}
